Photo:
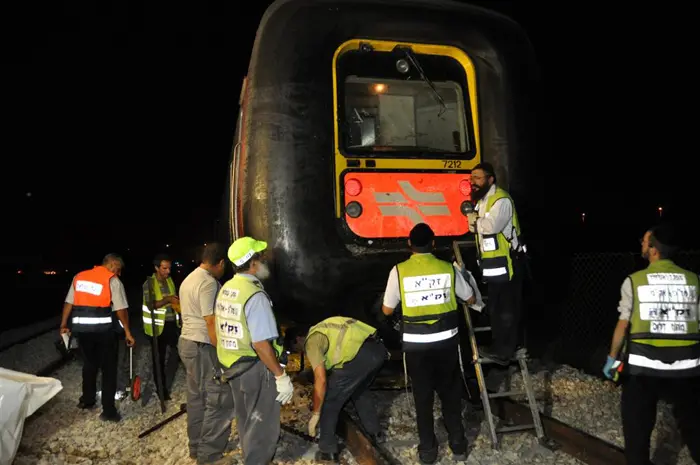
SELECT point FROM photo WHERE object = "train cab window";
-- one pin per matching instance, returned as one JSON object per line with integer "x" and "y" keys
{"x": 388, "y": 113}
{"x": 407, "y": 115}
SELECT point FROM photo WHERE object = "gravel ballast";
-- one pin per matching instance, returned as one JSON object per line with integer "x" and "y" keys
{"x": 59, "y": 433}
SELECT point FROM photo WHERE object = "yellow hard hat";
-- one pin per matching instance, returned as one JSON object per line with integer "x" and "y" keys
{"x": 244, "y": 248}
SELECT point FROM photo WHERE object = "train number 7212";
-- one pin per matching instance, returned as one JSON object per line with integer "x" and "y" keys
{"x": 451, "y": 164}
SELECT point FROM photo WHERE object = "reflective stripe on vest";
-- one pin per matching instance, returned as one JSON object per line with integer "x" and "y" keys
{"x": 664, "y": 335}
{"x": 92, "y": 300}
{"x": 494, "y": 249}
{"x": 232, "y": 333}
{"x": 428, "y": 302}
{"x": 345, "y": 337}
{"x": 160, "y": 312}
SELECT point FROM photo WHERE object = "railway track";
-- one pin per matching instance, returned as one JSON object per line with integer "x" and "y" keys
{"x": 579, "y": 444}
{"x": 585, "y": 447}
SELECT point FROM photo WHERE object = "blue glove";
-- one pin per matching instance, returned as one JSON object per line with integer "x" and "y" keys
{"x": 608, "y": 368}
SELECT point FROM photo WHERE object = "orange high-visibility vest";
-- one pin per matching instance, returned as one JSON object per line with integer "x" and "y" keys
{"x": 92, "y": 301}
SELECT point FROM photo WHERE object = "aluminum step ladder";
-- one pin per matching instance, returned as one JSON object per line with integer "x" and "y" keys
{"x": 477, "y": 360}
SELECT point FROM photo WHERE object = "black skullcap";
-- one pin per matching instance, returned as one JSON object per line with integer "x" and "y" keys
{"x": 421, "y": 235}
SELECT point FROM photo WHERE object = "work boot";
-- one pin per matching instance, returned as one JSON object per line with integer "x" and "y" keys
{"x": 428, "y": 457}
{"x": 327, "y": 457}
{"x": 113, "y": 417}
{"x": 84, "y": 406}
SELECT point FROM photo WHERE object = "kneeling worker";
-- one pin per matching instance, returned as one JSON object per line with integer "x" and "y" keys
{"x": 345, "y": 355}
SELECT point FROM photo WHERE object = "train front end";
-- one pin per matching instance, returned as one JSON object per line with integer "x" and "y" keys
{"x": 359, "y": 120}
{"x": 406, "y": 137}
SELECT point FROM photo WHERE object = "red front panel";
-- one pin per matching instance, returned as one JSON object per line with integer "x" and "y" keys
{"x": 392, "y": 203}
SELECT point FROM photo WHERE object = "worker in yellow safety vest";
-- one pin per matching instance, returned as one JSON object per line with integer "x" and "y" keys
{"x": 345, "y": 355}
{"x": 161, "y": 313}
{"x": 656, "y": 346}
{"x": 427, "y": 289}
{"x": 250, "y": 355}
{"x": 501, "y": 255}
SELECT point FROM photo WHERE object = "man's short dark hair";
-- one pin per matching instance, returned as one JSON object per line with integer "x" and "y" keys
{"x": 213, "y": 253}
{"x": 664, "y": 238}
{"x": 422, "y": 237}
{"x": 161, "y": 257}
{"x": 487, "y": 168}
{"x": 292, "y": 333}
{"x": 113, "y": 257}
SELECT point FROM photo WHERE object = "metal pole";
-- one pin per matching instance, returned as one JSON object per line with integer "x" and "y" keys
{"x": 183, "y": 410}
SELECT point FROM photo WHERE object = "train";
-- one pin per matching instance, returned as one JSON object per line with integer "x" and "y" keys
{"x": 359, "y": 119}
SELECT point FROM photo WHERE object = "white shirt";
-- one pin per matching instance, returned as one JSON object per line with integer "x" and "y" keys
{"x": 197, "y": 298}
{"x": 498, "y": 219}
{"x": 626, "y": 299}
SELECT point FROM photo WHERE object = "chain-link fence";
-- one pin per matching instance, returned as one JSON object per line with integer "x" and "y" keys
{"x": 581, "y": 325}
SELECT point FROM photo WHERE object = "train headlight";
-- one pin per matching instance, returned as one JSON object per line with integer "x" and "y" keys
{"x": 402, "y": 66}
{"x": 353, "y": 209}
{"x": 465, "y": 187}
{"x": 466, "y": 207}
{"x": 353, "y": 187}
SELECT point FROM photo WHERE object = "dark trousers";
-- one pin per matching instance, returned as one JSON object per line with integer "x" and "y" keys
{"x": 168, "y": 338}
{"x": 351, "y": 382}
{"x": 99, "y": 352}
{"x": 640, "y": 395}
{"x": 505, "y": 303}
{"x": 437, "y": 370}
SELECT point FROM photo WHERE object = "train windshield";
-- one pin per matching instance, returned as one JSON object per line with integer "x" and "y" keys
{"x": 396, "y": 115}
{"x": 397, "y": 104}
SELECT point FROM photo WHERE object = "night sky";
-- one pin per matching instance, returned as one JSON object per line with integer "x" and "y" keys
{"x": 119, "y": 120}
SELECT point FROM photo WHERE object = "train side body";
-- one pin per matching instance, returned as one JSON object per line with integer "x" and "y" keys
{"x": 284, "y": 185}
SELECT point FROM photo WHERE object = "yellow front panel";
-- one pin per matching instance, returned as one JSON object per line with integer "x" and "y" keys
{"x": 406, "y": 163}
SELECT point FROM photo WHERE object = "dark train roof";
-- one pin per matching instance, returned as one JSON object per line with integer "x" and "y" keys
{"x": 276, "y": 8}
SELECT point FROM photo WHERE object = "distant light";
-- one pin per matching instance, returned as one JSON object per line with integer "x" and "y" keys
{"x": 205, "y": 244}
{"x": 66, "y": 271}
{"x": 49, "y": 272}
{"x": 192, "y": 261}
{"x": 28, "y": 194}
{"x": 379, "y": 88}
{"x": 19, "y": 271}
{"x": 661, "y": 211}
{"x": 167, "y": 245}
{"x": 583, "y": 217}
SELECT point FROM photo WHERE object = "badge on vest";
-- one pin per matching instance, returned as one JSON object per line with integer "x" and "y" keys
{"x": 229, "y": 344}
{"x": 489, "y": 244}
{"x": 230, "y": 293}
{"x": 229, "y": 310}
{"x": 232, "y": 329}
{"x": 667, "y": 327}
{"x": 88, "y": 287}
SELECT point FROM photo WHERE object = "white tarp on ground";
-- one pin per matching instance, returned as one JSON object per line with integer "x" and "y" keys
{"x": 21, "y": 394}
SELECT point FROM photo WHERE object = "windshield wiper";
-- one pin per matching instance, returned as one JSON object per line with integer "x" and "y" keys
{"x": 414, "y": 60}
